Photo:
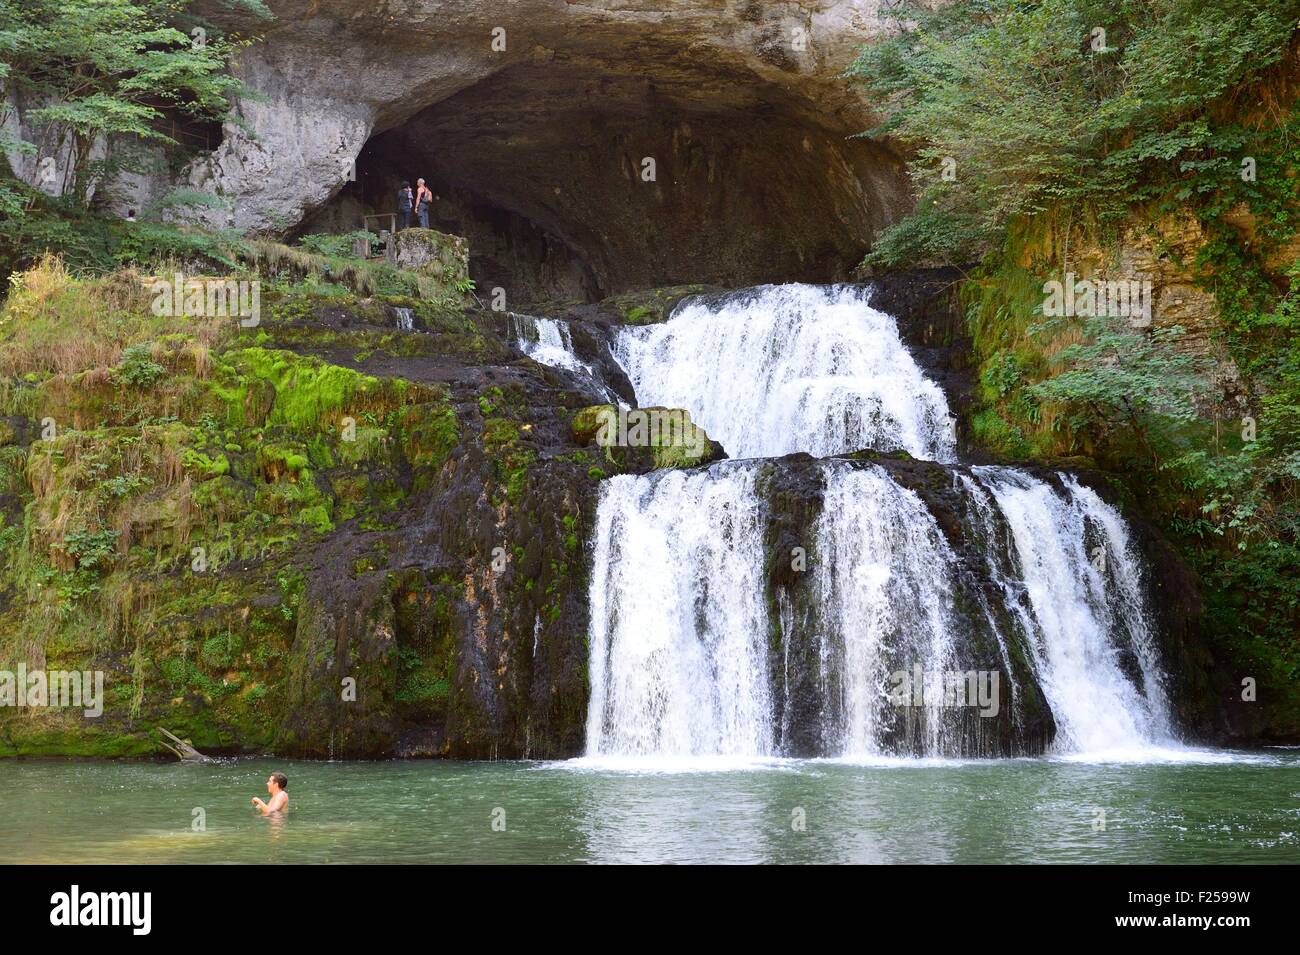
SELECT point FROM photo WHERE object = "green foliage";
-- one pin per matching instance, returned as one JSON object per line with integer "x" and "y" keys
{"x": 292, "y": 584}
{"x": 137, "y": 367}
{"x": 92, "y": 244}
{"x": 490, "y": 401}
{"x": 1016, "y": 108}
{"x": 1027, "y": 134}
{"x": 111, "y": 68}
{"x": 196, "y": 462}
{"x": 337, "y": 246}
{"x": 1118, "y": 376}
{"x": 1002, "y": 374}
{"x": 219, "y": 650}
{"x": 124, "y": 485}
{"x": 92, "y": 550}
{"x": 419, "y": 683}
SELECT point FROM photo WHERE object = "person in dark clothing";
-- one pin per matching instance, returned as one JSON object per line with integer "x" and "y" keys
{"x": 405, "y": 202}
{"x": 423, "y": 198}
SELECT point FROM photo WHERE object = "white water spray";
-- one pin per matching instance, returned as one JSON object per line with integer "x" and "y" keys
{"x": 884, "y": 583}
{"x": 785, "y": 368}
{"x": 678, "y": 623}
{"x": 1077, "y": 594}
{"x": 550, "y": 342}
{"x": 680, "y": 658}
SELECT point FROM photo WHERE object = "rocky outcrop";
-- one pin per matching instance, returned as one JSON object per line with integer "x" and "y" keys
{"x": 924, "y": 304}
{"x": 585, "y": 149}
{"x": 1164, "y": 253}
{"x": 435, "y": 254}
{"x": 462, "y": 630}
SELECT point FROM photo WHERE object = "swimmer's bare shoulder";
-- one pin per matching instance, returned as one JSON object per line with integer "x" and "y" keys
{"x": 276, "y": 786}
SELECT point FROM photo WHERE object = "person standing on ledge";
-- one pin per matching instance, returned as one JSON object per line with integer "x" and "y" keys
{"x": 405, "y": 202}
{"x": 276, "y": 786}
{"x": 423, "y": 197}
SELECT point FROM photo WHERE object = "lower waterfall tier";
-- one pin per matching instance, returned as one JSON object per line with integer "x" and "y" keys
{"x": 837, "y": 607}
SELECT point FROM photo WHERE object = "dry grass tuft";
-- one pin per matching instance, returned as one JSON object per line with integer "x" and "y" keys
{"x": 54, "y": 323}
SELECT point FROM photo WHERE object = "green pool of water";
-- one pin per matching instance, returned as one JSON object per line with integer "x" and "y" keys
{"x": 1220, "y": 807}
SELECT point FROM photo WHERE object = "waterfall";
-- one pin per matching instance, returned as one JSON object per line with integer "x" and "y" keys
{"x": 702, "y": 646}
{"x": 550, "y": 342}
{"x": 547, "y": 341}
{"x": 1075, "y": 586}
{"x": 785, "y": 368}
{"x": 883, "y": 577}
{"x": 678, "y": 620}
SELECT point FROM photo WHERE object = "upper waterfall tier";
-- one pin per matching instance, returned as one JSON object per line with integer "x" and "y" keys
{"x": 783, "y": 368}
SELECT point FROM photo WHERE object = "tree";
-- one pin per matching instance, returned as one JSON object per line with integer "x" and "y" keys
{"x": 1120, "y": 377}
{"x": 99, "y": 69}
{"x": 1011, "y": 107}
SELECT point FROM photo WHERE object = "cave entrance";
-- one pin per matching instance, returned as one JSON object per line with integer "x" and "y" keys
{"x": 507, "y": 249}
{"x": 577, "y": 179}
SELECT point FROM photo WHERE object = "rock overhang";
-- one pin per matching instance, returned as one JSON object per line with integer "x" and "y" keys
{"x": 632, "y": 144}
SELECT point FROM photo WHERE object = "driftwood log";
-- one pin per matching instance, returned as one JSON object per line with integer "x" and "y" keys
{"x": 183, "y": 750}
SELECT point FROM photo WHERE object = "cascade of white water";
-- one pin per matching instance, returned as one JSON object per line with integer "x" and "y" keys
{"x": 550, "y": 342}
{"x": 786, "y": 368}
{"x": 1126, "y": 591}
{"x": 678, "y": 630}
{"x": 680, "y": 624}
{"x": 547, "y": 341}
{"x": 1077, "y": 594}
{"x": 883, "y": 578}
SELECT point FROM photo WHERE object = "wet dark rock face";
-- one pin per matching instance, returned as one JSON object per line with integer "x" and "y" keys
{"x": 932, "y": 326}
{"x": 793, "y": 487}
{"x": 461, "y": 630}
{"x": 469, "y": 639}
{"x": 466, "y": 638}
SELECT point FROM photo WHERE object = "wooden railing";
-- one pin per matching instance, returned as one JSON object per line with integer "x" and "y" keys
{"x": 376, "y": 224}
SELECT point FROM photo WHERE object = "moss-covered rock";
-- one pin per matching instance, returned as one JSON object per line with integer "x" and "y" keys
{"x": 587, "y": 422}
{"x": 436, "y": 254}
{"x": 636, "y": 440}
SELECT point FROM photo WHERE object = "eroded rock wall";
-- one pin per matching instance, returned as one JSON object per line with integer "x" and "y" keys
{"x": 694, "y": 141}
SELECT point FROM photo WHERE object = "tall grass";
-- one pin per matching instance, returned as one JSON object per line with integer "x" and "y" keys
{"x": 55, "y": 323}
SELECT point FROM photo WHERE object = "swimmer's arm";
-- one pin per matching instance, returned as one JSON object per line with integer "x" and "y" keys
{"x": 278, "y": 802}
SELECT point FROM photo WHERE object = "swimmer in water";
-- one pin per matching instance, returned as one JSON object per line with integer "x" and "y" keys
{"x": 276, "y": 785}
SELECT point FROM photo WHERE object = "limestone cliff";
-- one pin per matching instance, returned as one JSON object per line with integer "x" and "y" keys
{"x": 583, "y": 149}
